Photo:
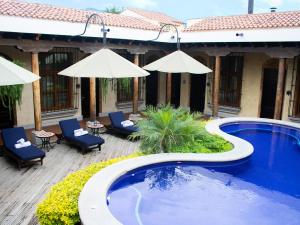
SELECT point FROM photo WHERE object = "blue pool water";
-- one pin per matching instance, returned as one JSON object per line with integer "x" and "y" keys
{"x": 262, "y": 189}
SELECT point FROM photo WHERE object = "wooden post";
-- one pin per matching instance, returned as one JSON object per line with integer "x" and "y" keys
{"x": 169, "y": 87}
{"x": 280, "y": 89}
{"x": 100, "y": 95}
{"x": 216, "y": 87}
{"x": 36, "y": 92}
{"x": 93, "y": 98}
{"x": 135, "y": 87}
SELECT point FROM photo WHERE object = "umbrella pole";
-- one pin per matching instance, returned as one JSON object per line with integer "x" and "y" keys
{"x": 93, "y": 98}
{"x": 135, "y": 87}
{"x": 36, "y": 92}
{"x": 135, "y": 94}
{"x": 169, "y": 87}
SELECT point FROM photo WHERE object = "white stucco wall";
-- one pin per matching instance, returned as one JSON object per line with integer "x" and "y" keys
{"x": 251, "y": 84}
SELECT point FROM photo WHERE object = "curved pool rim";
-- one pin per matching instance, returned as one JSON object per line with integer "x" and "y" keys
{"x": 93, "y": 209}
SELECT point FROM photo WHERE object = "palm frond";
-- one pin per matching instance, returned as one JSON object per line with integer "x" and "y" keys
{"x": 166, "y": 129}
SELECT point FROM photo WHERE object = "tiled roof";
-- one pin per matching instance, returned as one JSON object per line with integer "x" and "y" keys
{"x": 249, "y": 21}
{"x": 49, "y": 12}
{"x": 156, "y": 16}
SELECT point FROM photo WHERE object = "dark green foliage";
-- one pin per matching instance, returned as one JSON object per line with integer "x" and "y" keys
{"x": 123, "y": 83}
{"x": 12, "y": 94}
{"x": 176, "y": 130}
{"x": 104, "y": 83}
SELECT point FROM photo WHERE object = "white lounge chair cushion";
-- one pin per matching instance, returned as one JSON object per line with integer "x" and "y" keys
{"x": 80, "y": 132}
{"x": 127, "y": 123}
{"x": 23, "y": 144}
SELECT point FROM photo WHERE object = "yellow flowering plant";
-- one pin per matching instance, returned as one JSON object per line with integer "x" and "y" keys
{"x": 60, "y": 205}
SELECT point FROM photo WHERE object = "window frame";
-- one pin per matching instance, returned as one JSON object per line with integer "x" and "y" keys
{"x": 50, "y": 75}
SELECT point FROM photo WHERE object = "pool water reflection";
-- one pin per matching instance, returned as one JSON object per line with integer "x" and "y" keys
{"x": 262, "y": 189}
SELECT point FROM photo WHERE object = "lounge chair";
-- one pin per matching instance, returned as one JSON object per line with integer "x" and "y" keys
{"x": 116, "y": 119}
{"x": 23, "y": 155}
{"x": 85, "y": 142}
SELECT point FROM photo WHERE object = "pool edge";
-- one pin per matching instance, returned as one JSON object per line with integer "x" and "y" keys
{"x": 93, "y": 210}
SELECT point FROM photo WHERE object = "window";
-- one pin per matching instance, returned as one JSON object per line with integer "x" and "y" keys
{"x": 125, "y": 94}
{"x": 231, "y": 80}
{"x": 56, "y": 91}
{"x": 296, "y": 108}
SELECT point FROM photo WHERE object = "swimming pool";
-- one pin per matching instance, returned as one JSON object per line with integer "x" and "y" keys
{"x": 263, "y": 188}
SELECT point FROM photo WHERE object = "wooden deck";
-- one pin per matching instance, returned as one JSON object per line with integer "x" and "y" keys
{"x": 21, "y": 190}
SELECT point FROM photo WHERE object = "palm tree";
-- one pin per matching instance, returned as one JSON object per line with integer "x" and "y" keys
{"x": 166, "y": 128}
{"x": 176, "y": 130}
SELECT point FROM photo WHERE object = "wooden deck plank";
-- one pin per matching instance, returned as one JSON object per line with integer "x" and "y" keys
{"x": 20, "y": 191}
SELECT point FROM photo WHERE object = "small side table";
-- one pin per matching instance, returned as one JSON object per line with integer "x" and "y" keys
{"x": 95, "y": 128}
{"x": 45, "y": 138}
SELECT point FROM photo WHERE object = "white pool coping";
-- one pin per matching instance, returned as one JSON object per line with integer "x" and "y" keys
{"x": 93, "y": 207}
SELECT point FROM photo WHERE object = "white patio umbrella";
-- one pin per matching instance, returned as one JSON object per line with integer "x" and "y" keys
{"x": 12, "y": 74}
{"x": 104, "y": 64}
{"x": 178, "y": 62}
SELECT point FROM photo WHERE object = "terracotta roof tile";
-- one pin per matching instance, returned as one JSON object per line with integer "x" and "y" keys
{"x": 49, "y": 12}
{"x": 156, "y": 16}
{"x": 249, "y": 21}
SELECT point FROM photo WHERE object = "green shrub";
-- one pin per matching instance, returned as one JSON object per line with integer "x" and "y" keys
{"x": 205, "y": 144}
{"x": 176, "y": 130}
{"x": 60, "y": 206}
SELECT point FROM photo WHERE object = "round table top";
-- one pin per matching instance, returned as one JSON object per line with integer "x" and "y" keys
{"x": 43, "y": 134}
{"x": 95, "y": 126}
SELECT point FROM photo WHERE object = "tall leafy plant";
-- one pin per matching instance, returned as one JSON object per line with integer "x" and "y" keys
{"x": 176, "y": 130}
{"x": 12, "y": 94}
{"x": 166, "y": 128}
